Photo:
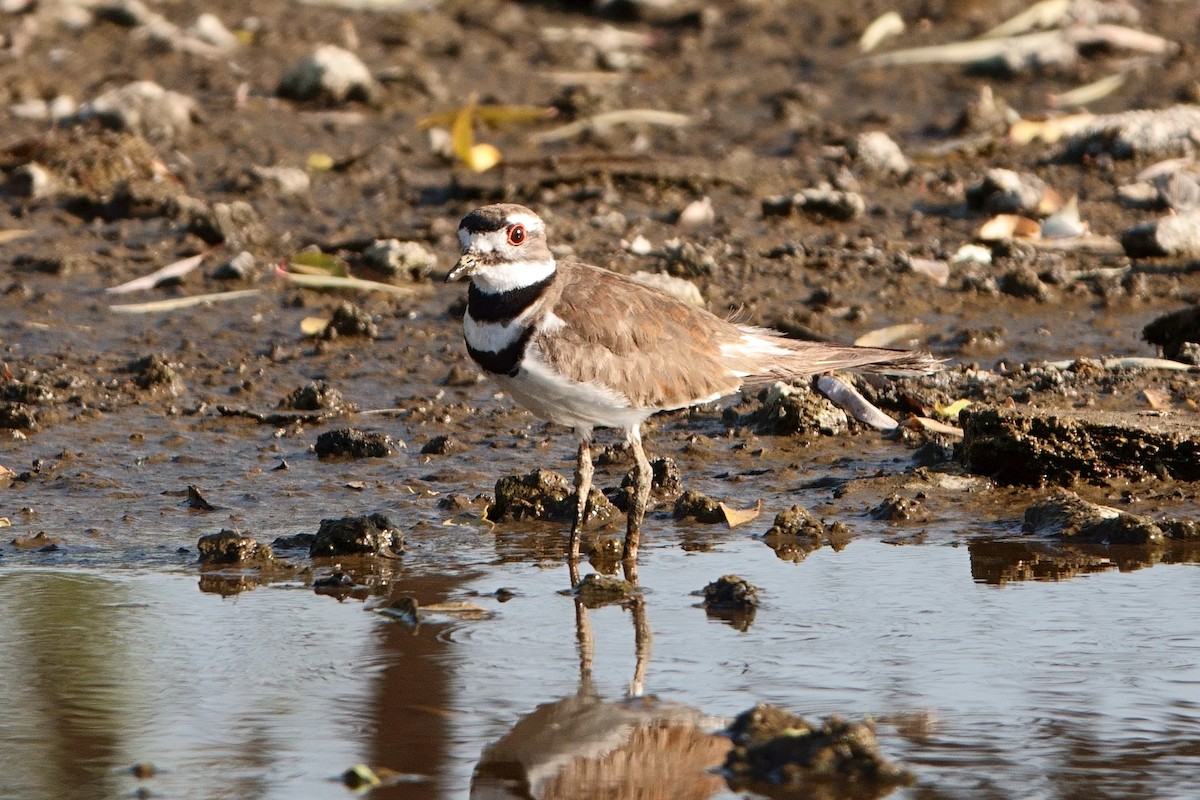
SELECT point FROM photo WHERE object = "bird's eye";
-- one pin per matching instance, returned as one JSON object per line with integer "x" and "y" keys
{"x": 516, "y": 235}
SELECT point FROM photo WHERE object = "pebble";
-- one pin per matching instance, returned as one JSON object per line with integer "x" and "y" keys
{"x": 330, "y": 73}
{"x": 141, "y": 107}
{"x": 876, "y": 152}
{"x": 1177, "y": 235}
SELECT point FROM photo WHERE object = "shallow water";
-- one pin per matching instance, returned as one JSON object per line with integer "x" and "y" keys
{"x": 1081, "y": 688}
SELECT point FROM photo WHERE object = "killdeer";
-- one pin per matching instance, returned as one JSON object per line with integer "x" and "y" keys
{"x": 584, "y": 347}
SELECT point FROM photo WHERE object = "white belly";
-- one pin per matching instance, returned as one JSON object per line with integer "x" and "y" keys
{"x": 581, "y": 406}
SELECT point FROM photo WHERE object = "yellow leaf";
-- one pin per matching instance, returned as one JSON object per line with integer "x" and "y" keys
{"x": 319, "y": 162}
{"x": 313, "y": 326}
{"x": 462, "y": 132}
{"x": 740, "y": 516}
{"x": 951, "y": 411}
{"x": 482, "y": 157}
{"x": 492, "y": 115}
{"x": 313, "y": 262}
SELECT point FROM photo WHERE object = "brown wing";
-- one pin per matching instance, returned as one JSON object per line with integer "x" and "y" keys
{"x": 656, "y": 350}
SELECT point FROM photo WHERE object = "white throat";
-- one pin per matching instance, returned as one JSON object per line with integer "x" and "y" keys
{"x": 508, "y": 275}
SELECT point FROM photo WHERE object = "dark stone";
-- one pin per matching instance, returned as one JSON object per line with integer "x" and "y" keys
{"x": 731, "y": 592}
{"x": 835, "y": 759}
{"x": 350, "y": 320}
{"x": 373, "y": 534}
{"x": 231, "y": 547}
{"x": 353, "y": 443}
{"x": 1173, "y": 332}
{"x": 698, "y": 506}
{"x": 315, "y": 396}
{"x": 542, "y": 494}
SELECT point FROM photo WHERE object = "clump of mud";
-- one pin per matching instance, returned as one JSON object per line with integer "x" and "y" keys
{"x": 232, "y": 547}
{"x": 837, "y": 759}
{"x": 353, "y": 443}
{"x": 374, "y": 534}
{"x": 543, "y": 494}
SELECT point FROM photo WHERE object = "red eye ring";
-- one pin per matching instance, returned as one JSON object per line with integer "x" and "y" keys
{"x": 516, "y": 235}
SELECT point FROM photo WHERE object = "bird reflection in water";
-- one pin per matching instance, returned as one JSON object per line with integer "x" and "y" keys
{"x": 585, "y": 746}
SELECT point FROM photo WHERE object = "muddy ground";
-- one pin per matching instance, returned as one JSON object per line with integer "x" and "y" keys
{"x": 130, "y": 433}
{"x": 775, "y": 100}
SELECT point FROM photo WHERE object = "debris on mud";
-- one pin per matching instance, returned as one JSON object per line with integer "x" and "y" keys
{"x": 232, "y": 547}
{"x": 1003, "y": 191}
{"x": 796, "y": 533}
{"x": 788, "y": 410}
{"x": 350, "y": 320}
{"x": 1065, "y": 515}
{"x": 822, "y": 200}
{"x": 895, "y": 508}
{"x": 355, "y": 443}
{"x": 330, "y": 74}
{"x": 596, "y": 590}
{"x": 143, "y": 108}
{"x": 1177, "y": 235}
{"x": 696, "y": 505}
{"x": 397, "y": 260}
{"x": 838, "y": 758}
{"x": 443, "y": 445}
{"x": 1177, "y": 333}
{"x": 373, "y": 534}
{"x": 543, "y": 494}
{"x": 197, "y": 501}
{"x": 154, "y": 373}
{"x": 1031, "y": 446}
{"x": 1141, "y": 132}
{"x": 315, "y": 396}
{"x": 730, "y": 593}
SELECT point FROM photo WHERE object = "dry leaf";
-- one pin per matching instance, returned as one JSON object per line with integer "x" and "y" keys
{"x": 952, "y": 411}
{"x": 313, "y": 326}
{"x": 740, "y": 516}
{"x": 1157, "y": 399}
{"x": 313, "y": 262}
{"x": 1009, "y": 226}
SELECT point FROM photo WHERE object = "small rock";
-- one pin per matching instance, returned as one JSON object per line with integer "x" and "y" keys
{"x": 144, "y": 108}
{"x": 697, "y": 214}
{"x": 1173, "y": 332}
{"x": 876, "y": 152}
{"x": 1003, "y": 191}
{"x": 235, "y": 224}
{"x": 153, "y": 373}
{"x": 350, "y": 320}
{"x": 208, "y": 28}
{"x": 790, "y": 410}
{"x": 1065, "y": 515}
{"x": 1024, "y": 282}
{"x": 442, "y": 446}
{"x": 597, "y": 590}
{"x": 231, "y": 547}
{"x": 826, "y": 201}
{"x": 353, "y": 443}
{"x": 315, "y": 396}
{"x": 1141, "y": 132}
{"x": 1177, "y": 235}
{"x": 373, "y": 534}
{"x": 330, "y": 74}
{"x": 33, "y": 181}
{"x": 410, "y": 261}
{"x": 542, "y": 494}
{"x": 836, "y": 759}
{"x": 731, "y": 592}
{"x": 283, "y": 181}
{"x": 895, "y": 508}
{"x": 698, "y": 506}
{"x": 238, "y": 268}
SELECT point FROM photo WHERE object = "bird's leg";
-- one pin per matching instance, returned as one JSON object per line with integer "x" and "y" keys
{"x": 583, "y": 488}
{"x": 642, "y": 476}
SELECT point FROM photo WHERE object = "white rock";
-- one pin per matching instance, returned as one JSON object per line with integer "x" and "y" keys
{"x": 331, "y": 73}
{"x": 144, "y": 108}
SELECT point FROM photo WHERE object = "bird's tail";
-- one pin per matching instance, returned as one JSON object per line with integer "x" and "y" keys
{"x": 765, "y": 355}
